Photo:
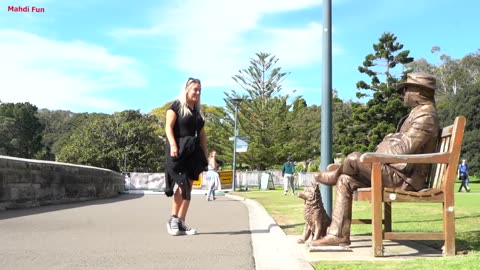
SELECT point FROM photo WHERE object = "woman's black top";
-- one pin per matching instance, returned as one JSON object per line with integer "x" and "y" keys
{"x": 189, "y": 125}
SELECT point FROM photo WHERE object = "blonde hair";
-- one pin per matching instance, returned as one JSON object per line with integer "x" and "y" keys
{"x": 184, "y": 111}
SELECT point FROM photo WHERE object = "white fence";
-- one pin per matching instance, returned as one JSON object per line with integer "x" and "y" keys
{"x": 249, "y": 179}
{"x": 145, "y": 181}
{"x": 245, "y": 180}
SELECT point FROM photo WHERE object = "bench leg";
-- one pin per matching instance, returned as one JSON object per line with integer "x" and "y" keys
{"x": 449, "y": 229}
{"x": 387, "y": 216}
{"x": 377, "y": 230}
{"x": 377, "y": 238}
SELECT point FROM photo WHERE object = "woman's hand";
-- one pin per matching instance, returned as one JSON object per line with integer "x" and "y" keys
{"x": 173, "y": 151}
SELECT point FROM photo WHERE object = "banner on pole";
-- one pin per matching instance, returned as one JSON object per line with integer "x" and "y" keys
{"x": 242, "y": 144}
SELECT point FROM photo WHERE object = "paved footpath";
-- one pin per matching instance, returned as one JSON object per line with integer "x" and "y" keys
{"x": 129, "y": 232}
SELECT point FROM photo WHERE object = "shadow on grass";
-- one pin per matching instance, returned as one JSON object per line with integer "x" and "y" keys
{"x": 436, "y": 219}
{"x": 464, "y": 242}
{"x": 468, "y": 241}
{"x": 289, "y": 226}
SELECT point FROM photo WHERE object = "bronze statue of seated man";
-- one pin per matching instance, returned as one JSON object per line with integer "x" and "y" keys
{"x": 416, "y": 134}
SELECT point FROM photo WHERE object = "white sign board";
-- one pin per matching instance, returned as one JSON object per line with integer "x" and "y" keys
{"x": 242, "y": 144}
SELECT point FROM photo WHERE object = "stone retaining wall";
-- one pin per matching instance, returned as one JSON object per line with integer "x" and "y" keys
{"x": 29, "y": 183}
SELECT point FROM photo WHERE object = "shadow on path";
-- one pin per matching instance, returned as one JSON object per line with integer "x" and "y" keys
{"x": 270, "y": 226}
{"x": 289, "y": 226}
{"x": 14, "y": 213}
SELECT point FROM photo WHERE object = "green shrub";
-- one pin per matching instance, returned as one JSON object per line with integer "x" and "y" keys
{"x": 313, "y": 167}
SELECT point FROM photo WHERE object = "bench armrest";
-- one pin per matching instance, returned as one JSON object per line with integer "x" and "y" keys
{"x": 371, "y": 157}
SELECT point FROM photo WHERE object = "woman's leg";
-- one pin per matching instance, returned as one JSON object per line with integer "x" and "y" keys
{"x": 173, "y": 224}
{"x": 182, "y": 213}
{"x": 184, "y": 204}
{"x": 177, "y": 202}
{"x": 176, "y": 224}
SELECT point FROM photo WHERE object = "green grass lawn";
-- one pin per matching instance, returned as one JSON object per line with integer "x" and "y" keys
{"x": 288, "y": 213}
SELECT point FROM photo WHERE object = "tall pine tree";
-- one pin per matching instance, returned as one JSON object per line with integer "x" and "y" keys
{"x": 380, "y": 116}
{"x": 263, "y": 113}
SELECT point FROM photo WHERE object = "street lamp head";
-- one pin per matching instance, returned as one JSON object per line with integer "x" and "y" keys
{"x": 236, "y": 101}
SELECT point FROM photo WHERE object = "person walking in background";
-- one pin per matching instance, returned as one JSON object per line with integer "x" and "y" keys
{"x": 186, "y": 153}
{"x": 213, "y": 180}
{"x": 288, "y": 170}
{"x": 463, "y": 175}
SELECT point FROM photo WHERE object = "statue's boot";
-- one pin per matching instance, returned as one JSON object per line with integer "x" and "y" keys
{"x": 331, "y": 240}
{"x": 339, "y": 231}
{"x": 328, "y": 178}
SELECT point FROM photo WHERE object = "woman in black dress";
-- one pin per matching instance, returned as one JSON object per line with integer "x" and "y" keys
{"x": 186, "y": 153}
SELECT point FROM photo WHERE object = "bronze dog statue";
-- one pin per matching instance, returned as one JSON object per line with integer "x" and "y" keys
{"x": 316, "y": 219}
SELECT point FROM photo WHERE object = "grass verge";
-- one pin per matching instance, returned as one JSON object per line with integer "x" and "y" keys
{"x": 287, "y": 211}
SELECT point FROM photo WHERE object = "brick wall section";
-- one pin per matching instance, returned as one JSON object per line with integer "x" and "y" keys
{"x": 29, "y": 183}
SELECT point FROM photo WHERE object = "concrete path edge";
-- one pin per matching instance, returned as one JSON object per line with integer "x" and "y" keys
{"x": 271, "y": 247}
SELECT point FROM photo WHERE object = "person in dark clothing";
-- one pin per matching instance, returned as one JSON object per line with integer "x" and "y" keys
{"x": 288, "y": 170}
{"x": 463, "y": 175}
{"x": 186, "y": 153}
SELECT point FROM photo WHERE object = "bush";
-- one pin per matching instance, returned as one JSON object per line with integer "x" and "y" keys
{"x": 300, "y": 166}
{"x": 313, "y": 167}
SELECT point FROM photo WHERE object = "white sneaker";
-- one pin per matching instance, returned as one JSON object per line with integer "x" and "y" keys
{"x": 186, "y": 230}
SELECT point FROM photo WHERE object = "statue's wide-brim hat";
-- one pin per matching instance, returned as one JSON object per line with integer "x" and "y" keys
{"x": 427, "y": 81}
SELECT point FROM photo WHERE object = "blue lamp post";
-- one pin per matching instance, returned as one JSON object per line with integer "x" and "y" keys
{"x": 326, "y": 140}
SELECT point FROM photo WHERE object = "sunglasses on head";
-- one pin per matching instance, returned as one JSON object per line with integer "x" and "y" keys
{"x": 192, "y": 80}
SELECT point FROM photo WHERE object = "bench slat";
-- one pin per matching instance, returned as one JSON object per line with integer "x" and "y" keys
{"x": 413, "y": 235}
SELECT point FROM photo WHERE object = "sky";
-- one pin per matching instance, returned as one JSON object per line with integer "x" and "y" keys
{"x": 113, "y": 55}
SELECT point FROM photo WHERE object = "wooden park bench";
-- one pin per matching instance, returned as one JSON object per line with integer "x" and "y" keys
{"x": 440, "y": 190}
